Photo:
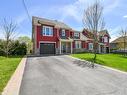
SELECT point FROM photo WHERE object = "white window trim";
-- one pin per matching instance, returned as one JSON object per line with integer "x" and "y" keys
{"x": 44, "y": 34}
{"x": 76, "y": 34}
{"x": 89, "y": 45}
{"x": 63, "y": 32}
{"x": 105, "y": 39}
{"x": 77, "y": 43}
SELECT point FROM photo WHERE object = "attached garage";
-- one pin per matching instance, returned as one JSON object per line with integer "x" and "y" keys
{"x": 47, "y": 48}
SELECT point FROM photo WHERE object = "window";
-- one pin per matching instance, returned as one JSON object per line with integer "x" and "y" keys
{"x": 63, "y": 32}
{"x": 105, "y": 39}
{"x": 76, "y": 34}
{"x": 47, "y": 31}
{"x": 77, "y": 44}
{"x": 90, "y": 46}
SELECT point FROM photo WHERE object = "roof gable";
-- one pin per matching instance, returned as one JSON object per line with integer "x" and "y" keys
{"x": 57, "y": 24}
{"x": 89, "y": 34}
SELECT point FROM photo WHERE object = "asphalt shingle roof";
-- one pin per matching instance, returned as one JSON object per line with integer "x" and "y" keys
{"x": 120, "y": 39}
{"x": 56, "y": 23}
{"x": 102, "y": 33}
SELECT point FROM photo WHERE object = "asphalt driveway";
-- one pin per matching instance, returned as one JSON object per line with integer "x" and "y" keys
{"x": 59, "y": 75}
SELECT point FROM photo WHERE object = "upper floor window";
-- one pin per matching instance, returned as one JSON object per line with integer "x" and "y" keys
{"x": 90, "y": 46}
{"x": 105, "y": 39}
{"x": 76, "y": 34}
{"x": 47, "y": 31}
{"x": 63, "y": 32}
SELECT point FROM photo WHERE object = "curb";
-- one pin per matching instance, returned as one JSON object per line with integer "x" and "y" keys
{"x": 13, "y": 86}
{"x": 116, "y": 70}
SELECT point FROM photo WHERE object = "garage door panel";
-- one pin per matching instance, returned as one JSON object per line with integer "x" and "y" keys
{"x": 47, "y": 48}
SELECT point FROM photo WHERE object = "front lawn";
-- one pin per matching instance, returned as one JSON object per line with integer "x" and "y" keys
{"x": 112, "y": 60}
{"x": 7, "y": 68}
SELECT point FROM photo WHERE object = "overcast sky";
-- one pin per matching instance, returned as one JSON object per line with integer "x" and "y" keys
{"x": 68, "y": 11}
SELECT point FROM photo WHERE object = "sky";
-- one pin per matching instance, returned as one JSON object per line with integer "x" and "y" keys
{"x": 67, "y": 11}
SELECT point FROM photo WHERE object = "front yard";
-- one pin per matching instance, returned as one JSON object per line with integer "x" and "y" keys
{"x": 112, "y": 60}
{"x": 7, "y": 68}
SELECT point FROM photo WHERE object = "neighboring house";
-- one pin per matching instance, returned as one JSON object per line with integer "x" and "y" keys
{"x": 55, "y": 37}
{"x": 103, "y": 45}
{"x": 118, "y": 44}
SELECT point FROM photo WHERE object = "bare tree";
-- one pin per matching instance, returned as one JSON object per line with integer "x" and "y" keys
{"x": 9, "y": 31}
{"x": 94, "y": 22}
{"x": 123, "y": 35}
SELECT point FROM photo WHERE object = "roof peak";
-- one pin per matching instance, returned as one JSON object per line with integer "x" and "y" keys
{"x": 56, "y": 23}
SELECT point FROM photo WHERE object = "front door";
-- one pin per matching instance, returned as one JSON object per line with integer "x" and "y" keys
{"x": 101, "y": 49}
{"x": 68, "y": 48}
{"x": 63, "y": 48}
{"x": 107, "y": 49}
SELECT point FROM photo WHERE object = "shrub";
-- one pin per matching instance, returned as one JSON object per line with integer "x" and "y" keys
{"x": 1, "y": 52}
{"x": 16, "y": 49}
{"x": 19, "y": 49}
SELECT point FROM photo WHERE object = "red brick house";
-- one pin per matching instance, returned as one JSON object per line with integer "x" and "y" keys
{"x": 55, "y": 37}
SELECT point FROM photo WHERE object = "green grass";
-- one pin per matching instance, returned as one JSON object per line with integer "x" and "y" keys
{"x": 112, "y": 60}
{"x": 7, "y": 68}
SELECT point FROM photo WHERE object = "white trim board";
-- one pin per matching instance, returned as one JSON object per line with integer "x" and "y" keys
{"x": 46, "y": 42}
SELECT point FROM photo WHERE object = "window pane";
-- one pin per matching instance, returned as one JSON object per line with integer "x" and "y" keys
{"x": 90, "y": 46}
{"x": 47, "y": 31}
{"x": 63, "y": 32}
{"x": 43, "y": 32}
{"x": 105, "y": 39}
{"x": 51, "y": 31}
{"x": 77, "y": 44}
{"x": 76, "y": 34}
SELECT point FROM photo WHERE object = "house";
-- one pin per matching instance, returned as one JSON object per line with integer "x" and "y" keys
{"x": 55, "y": 37}
{"x": 51, "y": 36}
{"x": 103, "y": 45}
{"x": 118, "y": 44}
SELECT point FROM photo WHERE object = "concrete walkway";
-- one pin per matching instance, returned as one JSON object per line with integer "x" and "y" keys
{"x": 60, "y": 75}
{"x": 13, "y": 86}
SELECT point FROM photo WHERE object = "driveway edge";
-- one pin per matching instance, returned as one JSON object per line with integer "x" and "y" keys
{"x": 13, "y": 85}
{"x": 113, "y": 69}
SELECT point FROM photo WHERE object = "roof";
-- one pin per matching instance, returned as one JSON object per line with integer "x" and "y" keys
{"x": 84, "y": 38}
{"x": 90, "y": 34}
{"x": 103, "y": 32}
{"x": 57, "y": 24}
{"x": 120, "y": 39}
